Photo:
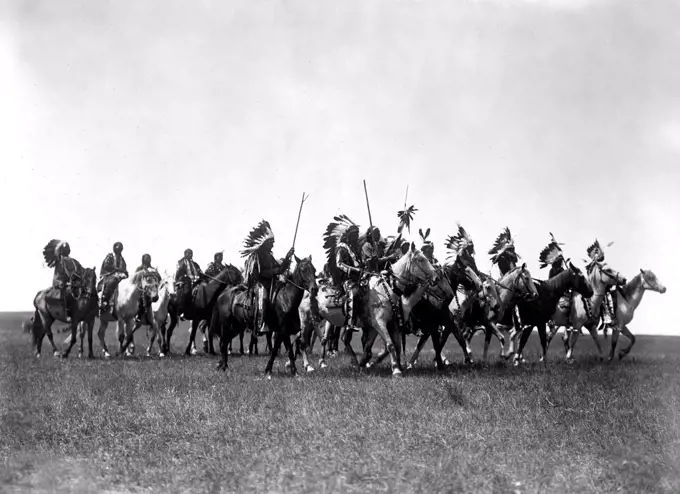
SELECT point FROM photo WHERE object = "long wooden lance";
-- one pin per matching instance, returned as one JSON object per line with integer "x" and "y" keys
{"x": 304, "y": 198}
{"x": 370, "y": 220}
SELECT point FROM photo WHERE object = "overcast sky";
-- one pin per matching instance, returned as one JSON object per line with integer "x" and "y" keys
{"x": 175, "y": 124}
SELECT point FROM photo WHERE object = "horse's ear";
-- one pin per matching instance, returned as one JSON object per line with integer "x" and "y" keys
{"x": 413, "y": 246}
{"x": 404, "y": 248}
{"x": 297, "y": 259}
{"x": 309, "y": 258}
{"x": 427, "y": 233}
{"x": 524, "y": 266}
{"x": 642, "y": 271}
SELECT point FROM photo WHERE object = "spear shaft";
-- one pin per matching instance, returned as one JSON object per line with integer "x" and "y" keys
{"x": 298, "y": 219}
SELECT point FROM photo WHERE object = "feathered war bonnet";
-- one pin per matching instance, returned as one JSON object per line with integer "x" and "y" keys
{"x": 458, "y": 243}
{"x": 503, "y": 246}
{"x": 259, "y": 240}
{"x": 337, "y": 232}
{"x": 595, "y": 252}
{"x": 551, "y": 253}
{"x": 53, "y": 250}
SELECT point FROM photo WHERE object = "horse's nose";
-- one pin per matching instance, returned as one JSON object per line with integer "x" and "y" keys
{"x": 663, "y": 289}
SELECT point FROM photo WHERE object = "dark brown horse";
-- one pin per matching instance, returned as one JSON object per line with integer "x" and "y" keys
{"x": 231, "y": 315}
{"x": 197, "y": 303}
{"x": 536, "y": 313}
{"x": 48, "y": 308}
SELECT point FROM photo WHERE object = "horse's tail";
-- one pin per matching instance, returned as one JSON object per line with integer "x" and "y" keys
{"x": 215, "y": 327}
{"x": 37, "y": 328}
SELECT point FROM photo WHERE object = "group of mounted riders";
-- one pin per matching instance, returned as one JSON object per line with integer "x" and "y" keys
{"x": 352, "y": 259}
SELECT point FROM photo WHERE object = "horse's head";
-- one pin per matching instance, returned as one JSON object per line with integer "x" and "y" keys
{"x": 231, "y": 275}
{"x": 305, "y": 275}
{"x": 148, "y": 283}
{"x": 523, "y": 283}
{"x": 651, "y": 282}
{"x": 89, "y": 281}
{"x": 413, "y": 268}
{"x": 602, "y": 277}
{"x": 490, "y": 296}
{"x": 581, "y": 284}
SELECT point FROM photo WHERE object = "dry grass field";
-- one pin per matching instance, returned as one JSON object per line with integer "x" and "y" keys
{"x": 177, "y": 425}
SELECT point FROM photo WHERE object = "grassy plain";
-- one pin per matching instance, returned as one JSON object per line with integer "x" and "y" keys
{"x": 176, "y": 425}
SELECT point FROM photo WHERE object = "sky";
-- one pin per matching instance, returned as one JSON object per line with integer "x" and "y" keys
{"x": 175, "y": 124}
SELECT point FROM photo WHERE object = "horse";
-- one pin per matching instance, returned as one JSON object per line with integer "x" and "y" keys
{"x": 126, "y": 305}
{"x": 230, "y": 315}
{"x": 310, "y": 325}
{"x": 197, "y": 303}
{"x": 431, "y": 312}
{"x": 537, "y": 313}
{"x": 409, "y": 278}
{"x": 627, "y": 301}
{"x": 483, "y": 309}
{"x": 48, "y": 309}
{"x": 579, "y": 315}
{"x": 515, "y": 285}
{"x": 160, "y": 311}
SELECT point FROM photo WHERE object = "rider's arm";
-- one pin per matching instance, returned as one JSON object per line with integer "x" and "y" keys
{"x": 346, "y": 268}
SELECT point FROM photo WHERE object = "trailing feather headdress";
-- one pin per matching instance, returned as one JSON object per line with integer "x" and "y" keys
{"x": 257, "y": 238}
{"x": 405, "y": 217}
{"x": 457, "y": 243}
{"x": 424, "y": 237}
{"x": 336, "y": 232}
{"x": 52, "y": 251}
{"x": 551, "y": 253}
{"x": 504, "y": 244}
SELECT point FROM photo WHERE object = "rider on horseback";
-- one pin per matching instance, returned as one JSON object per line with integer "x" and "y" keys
{"x": 261, "y": 269}
{"x": 216, "y": 266}
{"x": 596, "y": 254}
{"x": 57, "y": 255}
{"x": 503, "y": 253}
{"x": 146, "y": 266}
{"x": 145, "y": 301}
{"x": 462, "y": 252}
{"x": 552, "y": 256}
{"x": 113, "y": 270}
{"x": 373, "y": 251}
{"x": 428, "y": 248}
{"x": 188, "y": 270}
{"x": 345, "y": 265}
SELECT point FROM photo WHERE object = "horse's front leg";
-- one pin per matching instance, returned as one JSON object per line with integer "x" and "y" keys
{"x": 524, "y": 337}
{"x": 385, "y": 334}
{"x": 101, "y": 334}
{"x": 191, "y": 346}
{"x": 631, "y": 337}
{"x": 542, "y": 336}
{"x": 74, "y": 338}
{"x": 285, "y": 336}
{"x": 419, "y": 347}
{"x": 278, "y": 339}
{"x": 324, "y": 344}
{"x": 367, "y": 340}
{"x": 614, "y": 341}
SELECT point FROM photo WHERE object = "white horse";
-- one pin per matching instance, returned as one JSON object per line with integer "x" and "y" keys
{"x": 127, "y": 298}
{"x": 627, "y": 301}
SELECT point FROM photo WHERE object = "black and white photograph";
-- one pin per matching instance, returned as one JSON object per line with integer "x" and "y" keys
{"x": 315, "y": 246}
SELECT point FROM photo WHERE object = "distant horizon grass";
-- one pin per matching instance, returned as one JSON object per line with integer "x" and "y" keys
{"x": 177, "y": 425}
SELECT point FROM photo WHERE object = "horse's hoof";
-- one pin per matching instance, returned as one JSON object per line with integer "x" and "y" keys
{"x": 107, "y": 355}
{"x": 37, "y": 355}
{"x": 323, "y": 364}
{"x": 409, "y": 366}
{"x": 80, "y": 354}
{"x": 161, "y": 354}
{"x": 287, "y": 366}
{"x": 309, "y": 368}
{"x": 268, "y": 376}
{"x": 397, "y": 373}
